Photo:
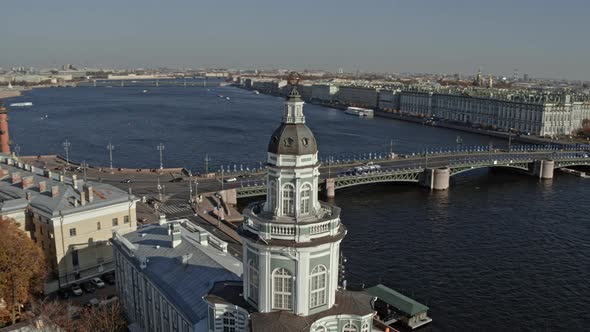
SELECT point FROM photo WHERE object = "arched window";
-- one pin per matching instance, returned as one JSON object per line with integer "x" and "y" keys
{"x": 348, "y": 328}
{"x": 305, "y": 198}
{"x": 252, "y": 281}
{"x": 272, "y": 195}
{"x": 288, "y": 200}
{"x": 318, "y": 286}
{"x": 229, "y": 322}
{"x": 365, "y": 327}
{"x": 282, "y": 290}
{"x": 320, "y": 329}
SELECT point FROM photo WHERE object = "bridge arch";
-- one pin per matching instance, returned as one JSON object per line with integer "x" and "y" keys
{"x": 518, "y": 167}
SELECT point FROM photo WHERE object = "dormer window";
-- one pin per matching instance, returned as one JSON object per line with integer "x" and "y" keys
{"x": 305, "y": 141}
{"x": 288, "y": 141}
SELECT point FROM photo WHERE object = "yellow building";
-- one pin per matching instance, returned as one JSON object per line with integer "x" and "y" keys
{"x": 70, "y": 219}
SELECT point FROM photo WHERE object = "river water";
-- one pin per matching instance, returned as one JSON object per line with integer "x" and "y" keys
{"x": 498, "y": 251}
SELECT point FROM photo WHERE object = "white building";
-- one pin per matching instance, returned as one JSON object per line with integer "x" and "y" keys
{"x": 291, "y": 248}
{"x": 164, "y": 270}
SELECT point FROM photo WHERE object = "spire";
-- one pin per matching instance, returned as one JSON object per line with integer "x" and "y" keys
{"x": 293, "y": 103}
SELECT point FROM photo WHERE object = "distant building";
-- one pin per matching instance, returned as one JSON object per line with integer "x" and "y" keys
{"x": 70, "y": 219}
{"x": 358, "y": 96}
{"x": 324, "y": 92}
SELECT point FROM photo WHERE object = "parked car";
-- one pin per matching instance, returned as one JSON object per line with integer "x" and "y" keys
{"x": 127, "y": 181}
{"x": 97, "y": 282}
{"x": 87, "y": 287}
{"x": 109, "y": 278}
{"x": 230, "y": 180}
{"x": 76, "y": 290}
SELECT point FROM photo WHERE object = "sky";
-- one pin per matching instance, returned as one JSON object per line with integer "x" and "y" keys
{"x": 542, "y": 38}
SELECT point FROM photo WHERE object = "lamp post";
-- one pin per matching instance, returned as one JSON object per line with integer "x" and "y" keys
{"x": 66, "y": 144}
{"x": 161, "y": 148}
{"x": 111, "y": 147}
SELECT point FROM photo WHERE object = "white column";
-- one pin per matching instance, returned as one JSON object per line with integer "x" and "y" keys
{"x": 302, "y": 284}
{"x": 265, "y": 284}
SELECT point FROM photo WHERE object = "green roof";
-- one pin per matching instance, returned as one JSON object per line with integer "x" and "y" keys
{"x": 398, "y": 300}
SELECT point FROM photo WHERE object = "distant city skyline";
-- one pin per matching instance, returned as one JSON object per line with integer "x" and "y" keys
{"x": 540, "y": 38}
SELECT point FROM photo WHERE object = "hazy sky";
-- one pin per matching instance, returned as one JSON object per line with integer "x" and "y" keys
{"x": 544, "y": 38}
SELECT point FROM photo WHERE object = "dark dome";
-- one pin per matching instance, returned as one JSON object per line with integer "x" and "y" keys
{"x": 293, "y": 139}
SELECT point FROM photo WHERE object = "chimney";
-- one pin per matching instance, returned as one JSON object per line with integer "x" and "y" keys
{"x": 162, "y": 221}
{"x": 54, "y": 191}
{"x": 42, "y": 186}
{"x": 48, "y": 174}
{"x": 28, "y": 182}
{"x": 75, "y": 202}
{"x": 10, "y": 161}
{"x": 89, "y": 194}
{"x": 61, "y": 178}
{"x": 75, "y": 181}
{"x": 20, "y": 164}
{"x": 82, "y": 197}
{"x": 175, "y": 238}
{"x": 32, "y": 168}
{"x": 16, "y": 177}
{"x": 3, "y": 172}
{"x": 29, "y": 195}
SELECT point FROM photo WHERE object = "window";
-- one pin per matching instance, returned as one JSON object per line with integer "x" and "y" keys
{"x": 75, "y": 261}
{"x": 229, "y": 322}
{"x": 72, "y": 232}
{"x": 288, "y": 200}
{"x": 320, "y": 329}
{"x": 115, "y": 222}
{"x": 305, "y": 195}
{"x": 126, "y": 219}
{"x": 349, "y": 328}
{"x": 98, "y": 225}
{"x": 253, "y": 281}
{"x": 282, "y": 290}
{"x": 365, "y": 327}
{"x": 318, "y": 286}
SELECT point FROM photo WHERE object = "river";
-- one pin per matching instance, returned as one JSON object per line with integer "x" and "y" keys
{"x": 498, "y": 251}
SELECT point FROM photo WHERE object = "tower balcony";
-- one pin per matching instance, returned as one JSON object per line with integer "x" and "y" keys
{"x": 326, "y": 222}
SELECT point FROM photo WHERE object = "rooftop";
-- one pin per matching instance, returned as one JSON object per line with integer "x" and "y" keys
{"x": 185, "y": 273}
{"x": 23, "y": 185}
{"x": 398, "y": 300}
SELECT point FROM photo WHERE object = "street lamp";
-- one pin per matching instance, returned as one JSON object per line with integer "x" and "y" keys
{"x": 111, "y": 147}
{"x": 161, "y": 148}
{"x": 66, "y": 144}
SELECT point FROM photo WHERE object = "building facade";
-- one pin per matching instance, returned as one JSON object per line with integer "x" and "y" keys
{"x": 70, "y": 219}
{"x": 543, "y": 115}
{"x": 163, "y": 271}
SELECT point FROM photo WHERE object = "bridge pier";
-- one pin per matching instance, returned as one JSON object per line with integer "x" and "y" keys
{"x": 330, "y": 188}
{"x": 436, "y": 178}
{"x": 544, "y": 169}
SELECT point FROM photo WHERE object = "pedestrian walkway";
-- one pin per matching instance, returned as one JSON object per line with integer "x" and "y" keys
{"x": 176, "y": 210}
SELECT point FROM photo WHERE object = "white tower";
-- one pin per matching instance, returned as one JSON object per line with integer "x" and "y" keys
{"x": 292, "y": 240}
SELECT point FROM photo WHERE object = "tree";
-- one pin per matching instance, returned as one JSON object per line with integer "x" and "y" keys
{"x": 22, "y": 269}
{"x": 104, "y": 318}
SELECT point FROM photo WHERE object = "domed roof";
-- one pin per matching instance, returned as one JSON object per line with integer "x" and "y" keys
{"x": 292, "y": 139}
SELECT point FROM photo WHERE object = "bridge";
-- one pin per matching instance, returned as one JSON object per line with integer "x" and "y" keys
{"x": 433, "y": 170}
{"x": 150, "y": 83}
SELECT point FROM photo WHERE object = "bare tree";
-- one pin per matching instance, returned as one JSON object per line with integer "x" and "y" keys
{"x": 104, "y": 318}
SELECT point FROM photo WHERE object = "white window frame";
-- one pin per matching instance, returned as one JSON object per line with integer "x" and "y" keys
{"x": 288, "y": 197}
{"x": 229, "y": 322}
{"x": 365, "y": 327}
{"x": 349, "y": 327}
{"x": 282, "y": 289}
{"x": 318, "y": 284}
{"x": 305, "y": 197}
